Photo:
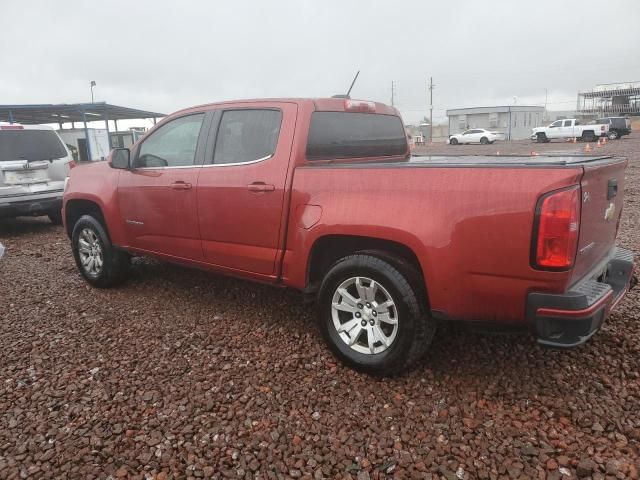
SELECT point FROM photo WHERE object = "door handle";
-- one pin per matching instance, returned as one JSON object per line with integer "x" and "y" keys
{"x": 260, "y": 187}
{"x": 180, "y": 185}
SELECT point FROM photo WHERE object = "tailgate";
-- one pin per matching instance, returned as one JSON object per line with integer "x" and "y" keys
{"x": 602, "y": 194}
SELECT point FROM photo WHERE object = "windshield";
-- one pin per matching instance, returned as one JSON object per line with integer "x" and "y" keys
{"x": 30, "y": 145}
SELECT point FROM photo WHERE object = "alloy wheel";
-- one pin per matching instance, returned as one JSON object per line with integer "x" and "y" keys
{"x": 91, "y": 252}
{"x": 364, "y": 315}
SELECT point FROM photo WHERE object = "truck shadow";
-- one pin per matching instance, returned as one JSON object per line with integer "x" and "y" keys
{"x": 459, "y": 358}
{"x": 14, "y": 227}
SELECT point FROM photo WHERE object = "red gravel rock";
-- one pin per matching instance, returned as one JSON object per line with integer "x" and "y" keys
{"x": 181, "y": 374}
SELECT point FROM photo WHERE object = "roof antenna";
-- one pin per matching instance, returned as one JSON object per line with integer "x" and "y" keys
{"x": 349, "y": 91}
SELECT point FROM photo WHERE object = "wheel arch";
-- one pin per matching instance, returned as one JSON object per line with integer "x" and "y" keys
{"x": 76, "y": 208}
{"x": 326, "y": 250}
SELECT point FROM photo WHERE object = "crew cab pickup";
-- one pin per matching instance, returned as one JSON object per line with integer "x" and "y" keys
{"x": 322, "y": 195}
{"x": 569, "y": 128}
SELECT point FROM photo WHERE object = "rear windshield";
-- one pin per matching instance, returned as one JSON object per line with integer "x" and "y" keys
{"x": 349, "y": 135}
{"x": 30, "y": 145}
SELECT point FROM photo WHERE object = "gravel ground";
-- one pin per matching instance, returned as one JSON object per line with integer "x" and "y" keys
{"x": 181, "y": 374}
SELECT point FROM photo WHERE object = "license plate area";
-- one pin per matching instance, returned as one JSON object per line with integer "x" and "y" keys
{"x": 25, "y": 177}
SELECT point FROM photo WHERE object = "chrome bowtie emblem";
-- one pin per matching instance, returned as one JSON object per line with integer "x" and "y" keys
{"x": 610, "y": 212}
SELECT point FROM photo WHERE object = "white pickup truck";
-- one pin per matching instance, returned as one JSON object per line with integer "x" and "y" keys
{"x": 569, "y": 128}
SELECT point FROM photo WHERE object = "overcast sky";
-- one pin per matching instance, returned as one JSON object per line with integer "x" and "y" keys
{"x": 164, "y": 55}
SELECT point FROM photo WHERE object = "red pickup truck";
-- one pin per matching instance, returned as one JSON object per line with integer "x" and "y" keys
{"x": 322, "y": 195}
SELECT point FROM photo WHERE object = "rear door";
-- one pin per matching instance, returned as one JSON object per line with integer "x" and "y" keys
{"x": 157, "y": 196}
{"x": 602, "y": 195}
{"x": 566, "y": 130}
{"x": 241, "y": 187}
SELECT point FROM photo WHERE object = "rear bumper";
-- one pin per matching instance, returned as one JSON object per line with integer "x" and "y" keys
{"x": 37, "y": 206}
{"x": 570, "y": 319}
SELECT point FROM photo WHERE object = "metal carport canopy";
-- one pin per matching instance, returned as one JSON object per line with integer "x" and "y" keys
{"x": 71, "y": 112}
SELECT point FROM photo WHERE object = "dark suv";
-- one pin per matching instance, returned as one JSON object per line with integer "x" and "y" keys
{"x": 618, "y": 126}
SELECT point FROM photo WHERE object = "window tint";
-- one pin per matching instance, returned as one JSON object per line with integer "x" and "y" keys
{"x": 350, "y": 135}
{"x": 557, "y": 124}
{"x": 30, "y": 145}
{"x": 172, "y": 145}
{"x": 247, "y": 135}
{"x": 567, "y": 123}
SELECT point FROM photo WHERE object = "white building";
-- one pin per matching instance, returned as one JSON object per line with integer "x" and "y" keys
{"x": 98, "y": 148}
{"x": 515, "y": 121}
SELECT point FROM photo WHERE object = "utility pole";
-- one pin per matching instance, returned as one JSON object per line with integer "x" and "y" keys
{"x": 431, "y": 86}
{"x": 392, "y": 94}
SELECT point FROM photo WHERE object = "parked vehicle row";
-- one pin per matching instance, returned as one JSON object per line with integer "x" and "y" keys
{"x": 322, "y": 195}
{"x": 34, "y": 163}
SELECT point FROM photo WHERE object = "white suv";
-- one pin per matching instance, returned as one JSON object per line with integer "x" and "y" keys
{"x": 34, "y": 163}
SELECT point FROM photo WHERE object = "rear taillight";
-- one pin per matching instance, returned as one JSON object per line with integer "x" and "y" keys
{"x": 602, "y": 128}
{"x": 11, "y": 127}
{"x": 556, "y": 229}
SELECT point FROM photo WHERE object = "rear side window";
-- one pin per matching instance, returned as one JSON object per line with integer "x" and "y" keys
{"x": 350, "y": 135}
{"x": 30, "y": 145}
{"x": 247, "y": 135}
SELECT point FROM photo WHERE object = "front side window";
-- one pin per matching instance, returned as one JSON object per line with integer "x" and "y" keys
{"x": 172, "y": 145}
{"x": 556, "y": 124}
{"x": 247, "y": 135}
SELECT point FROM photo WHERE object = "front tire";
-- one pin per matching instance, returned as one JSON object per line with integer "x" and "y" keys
{"x": 613, "y": 135}
{"x": 99, "y": 262}
{"x": 453, "y": 141}
{"x": 541, "y": 138}
{"x": 372, "y": 316}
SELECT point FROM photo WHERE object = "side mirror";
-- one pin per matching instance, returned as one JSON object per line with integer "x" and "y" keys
{"x": 121, "y": 158}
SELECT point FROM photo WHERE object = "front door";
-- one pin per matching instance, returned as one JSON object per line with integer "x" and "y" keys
{"x": 157, "y": 197}
{"x": 241, "y": 186}
{"x": 555, "y": 129}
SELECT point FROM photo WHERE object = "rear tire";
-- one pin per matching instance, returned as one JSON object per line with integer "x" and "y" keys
{"x": 99, "y": 262}
{"x": 55, "y": 216}
{"x": 365, "y": 289}
{"x": 541, "y": 138}
{"x": 453, "y": 141}
{"x": 484, "y": 141}
{"x": 588, "y": 137}
{"x": 613, "y": 135}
